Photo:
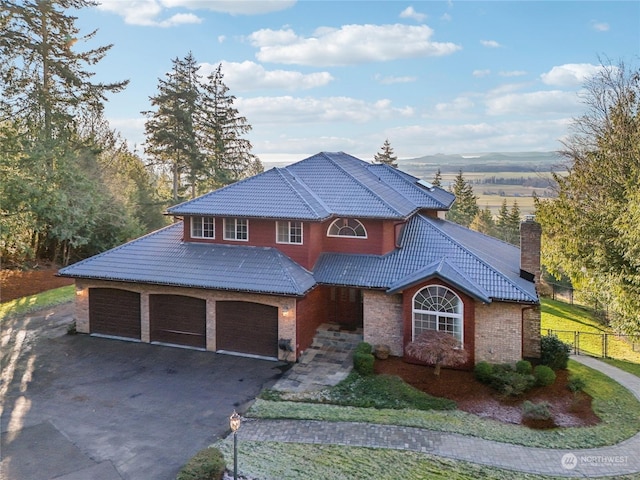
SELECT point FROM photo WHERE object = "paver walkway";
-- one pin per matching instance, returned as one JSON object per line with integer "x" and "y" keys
{"x": 620, "y": 459}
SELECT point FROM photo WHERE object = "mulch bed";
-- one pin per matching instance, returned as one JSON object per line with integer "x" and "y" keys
{"x": 568, "y": 409}
{"x": 20, "y": 283}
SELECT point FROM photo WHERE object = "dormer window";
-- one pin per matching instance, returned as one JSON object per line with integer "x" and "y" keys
{"x": 347, "y": 227}
{"x": 203, "y": 227}
{"x": 236, "y": 229}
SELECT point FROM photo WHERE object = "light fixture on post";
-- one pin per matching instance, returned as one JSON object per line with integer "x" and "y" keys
{"x": 234, "y": 423}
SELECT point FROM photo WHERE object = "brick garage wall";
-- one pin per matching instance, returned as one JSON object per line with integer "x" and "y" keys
{"x": 383, "y": 320}
{"x": 286, "y": 322}
{"x": 498, "y": 332}
{"x": 531, "y": 326}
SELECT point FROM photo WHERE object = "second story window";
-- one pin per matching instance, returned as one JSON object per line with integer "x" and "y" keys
{"x": 347, "y": 227}
{"x": 203, "y": 227}
{"x": 236, "y": 229}
{"x": 289, "y": 232}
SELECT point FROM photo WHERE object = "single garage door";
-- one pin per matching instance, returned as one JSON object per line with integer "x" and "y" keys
{"x": 178, "y": 320}
{"x": 246, "y": 327}
{"x": 114, "y": 312}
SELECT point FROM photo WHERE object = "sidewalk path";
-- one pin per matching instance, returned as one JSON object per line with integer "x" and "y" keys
{"x": 614, "y": 460}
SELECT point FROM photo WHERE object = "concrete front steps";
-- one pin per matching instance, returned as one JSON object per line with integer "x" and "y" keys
{"x": 325, "y": 363}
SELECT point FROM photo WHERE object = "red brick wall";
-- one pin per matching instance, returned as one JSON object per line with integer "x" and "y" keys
{"x": 468, "y": 317}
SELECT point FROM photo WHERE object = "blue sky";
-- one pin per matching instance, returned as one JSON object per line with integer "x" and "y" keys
{"x": 432, "y": 77}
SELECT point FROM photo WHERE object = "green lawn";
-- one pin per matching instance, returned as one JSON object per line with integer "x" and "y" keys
{"x": 565, "y": 319}
{"x": 23, "y": 305}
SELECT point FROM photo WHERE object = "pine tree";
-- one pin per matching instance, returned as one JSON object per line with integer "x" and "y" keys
{"x": 514, "y": 224}
{"x": 226, "y": 154}
{"x": 386, "y": 155}
{"x": 465, "y": 207}
{"x": 502, "y": 222}
{"x": 437, "y": 179}
{"x": 171, "y": 127}
{"x": 483, "y": 222}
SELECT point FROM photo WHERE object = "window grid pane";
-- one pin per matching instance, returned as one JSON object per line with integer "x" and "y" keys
{"x": 437, "y": 308}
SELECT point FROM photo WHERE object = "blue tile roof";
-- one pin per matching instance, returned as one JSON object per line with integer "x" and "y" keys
{"x": 324, "y": 185}
{"x": 482, "y": 266}
{"x": 162, "y": 258}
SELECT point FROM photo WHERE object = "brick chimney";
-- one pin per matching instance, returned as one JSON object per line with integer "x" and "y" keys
{"x": 530, "y": 235}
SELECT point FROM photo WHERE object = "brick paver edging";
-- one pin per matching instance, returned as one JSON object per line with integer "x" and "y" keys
{"x": 613, "y": 460}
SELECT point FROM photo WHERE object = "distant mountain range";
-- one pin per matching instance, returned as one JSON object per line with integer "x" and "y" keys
{"x": 483, "y": 162}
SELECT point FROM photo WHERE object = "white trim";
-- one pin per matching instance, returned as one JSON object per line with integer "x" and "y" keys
{"x": 177, "y": 345}
{"x": 365, "y": 236}
{"x": 235, "y": 219}
{"x": 289, "y": 222}
{"x": 438, "y": 314}
{"x": 202, "y": 217}
{"x": 248, "y": 355}
{"x": 115, "y": 337}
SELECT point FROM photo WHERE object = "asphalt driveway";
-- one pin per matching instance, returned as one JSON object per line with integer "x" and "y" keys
{"x": 80, "y": 407}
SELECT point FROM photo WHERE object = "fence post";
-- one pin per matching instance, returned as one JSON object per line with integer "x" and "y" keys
{"x": 576, "y": 343}
{"x": 604, "y": 345}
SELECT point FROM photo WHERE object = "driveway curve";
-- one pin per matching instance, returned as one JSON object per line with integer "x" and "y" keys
{"x": 79, "y": 407}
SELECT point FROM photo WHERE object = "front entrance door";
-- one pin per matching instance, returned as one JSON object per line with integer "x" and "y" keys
{"x": 347, "y": 306}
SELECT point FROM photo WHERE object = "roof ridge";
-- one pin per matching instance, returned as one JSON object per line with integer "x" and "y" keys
{"x": 401, "y": 174}
{"x": 280, "y": 171}
{"x": 480, "y": 260}
{"x": 281, "y": 257}
{"x": 391, "y": 207}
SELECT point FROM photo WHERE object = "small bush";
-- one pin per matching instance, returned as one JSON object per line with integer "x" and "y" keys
{"x": 363, "y": 363}
{"x": 207, "y": 464}
{"x": 511, "y": 383}
{"x": 554, "y": 353}
{"x": 576, "y": 384}
{"x": 363, "y": 347}
{"x": 524, "y": 367}
{"x": 544, "y": 375}
{"x": 535, "y": 411}
{"x": 482, "y": 371}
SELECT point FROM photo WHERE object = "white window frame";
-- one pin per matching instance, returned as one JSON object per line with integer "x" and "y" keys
{"x": 445, "y": 311}
{"x": 289, "y": 224}
{"x": 210, "y": 226}
{"x": 227, "y": 223}
{"x": 345, "y": 226}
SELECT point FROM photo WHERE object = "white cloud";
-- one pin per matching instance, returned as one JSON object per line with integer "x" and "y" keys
{"x": 248, "y": 75}
{"x": 410, "y": 12}
{"x": 538, "y": 103}
{"x": 600, "y": 26}
{"x": 232, "y": 7}
{"x": 459, "y": 105}
{"x": 296, "y": 110}
{"x": 481, "y": 73}
{"x": 391, "y": 80}
{"x": 349, "y": 45}
{"x": 570, "y": 74}
{"x": 146, "y": 12}
{"x": 512, "y": 73}
{"x": 490, "y": 44}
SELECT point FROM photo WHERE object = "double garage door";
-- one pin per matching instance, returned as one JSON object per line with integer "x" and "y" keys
{"x": 242, "y": 327}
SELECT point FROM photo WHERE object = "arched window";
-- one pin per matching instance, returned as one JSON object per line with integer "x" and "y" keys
{"x": 437, "y": 308}
{"x": 347, "y": 227}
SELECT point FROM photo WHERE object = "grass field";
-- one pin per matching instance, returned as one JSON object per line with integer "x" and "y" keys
{"x": 31, "y": 303}
{"x": 565, "y": 320}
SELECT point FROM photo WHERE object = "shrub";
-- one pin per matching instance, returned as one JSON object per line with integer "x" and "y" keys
{"x": 363, "y": 347}
{"x": 576, "y": 384}
{"x": 482, "y": 371}
{"x": 554, "y": 353}
{"x": 535, "y": 411}
{"x": 207, "y": 464}
{"x": 363, "y": 363}
{"x": 524, "y": 367}
{"x": 437, "y": 348}
{"x": 544, "y": 375}
{"x": 511, "y": 383}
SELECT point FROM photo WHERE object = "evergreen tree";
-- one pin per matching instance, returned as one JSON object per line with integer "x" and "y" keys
{"x": 437, "y": 179}
{"x": 483, "y": 222}
{"x": 386, "y": 155}
{"x": 171, "y": 127}
{"x": 514, "y": 221}
{"x": 591, "y": 231}
{"x": 465, "y": 207}
{"x": 226, "y": 154}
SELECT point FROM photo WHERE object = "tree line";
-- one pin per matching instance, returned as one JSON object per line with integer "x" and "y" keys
{"x": 70, "y": 186}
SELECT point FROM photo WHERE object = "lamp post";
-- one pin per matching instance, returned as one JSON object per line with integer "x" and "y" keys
{"x": 234, "y": 423}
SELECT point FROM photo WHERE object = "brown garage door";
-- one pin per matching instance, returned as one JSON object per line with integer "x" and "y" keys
{"x": 178, "y": 319}
{"x": 114, "y": 312}
{"x": 247, "y": 327}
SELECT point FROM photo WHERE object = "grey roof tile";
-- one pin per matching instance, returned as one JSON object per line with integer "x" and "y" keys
{"x": 478, "y": 264}
{"x": 162, "y": 258}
